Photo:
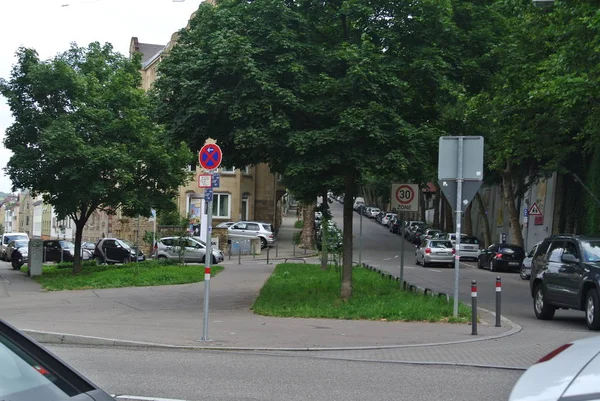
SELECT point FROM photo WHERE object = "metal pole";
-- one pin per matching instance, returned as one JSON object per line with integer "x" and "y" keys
{"x": 401, "y": 249}
{"x": 207, "y": 265}
{"x": 498, "y": 300}
{"x": 360, "y": 249}
{"x": 154, "y": 248}
{"x": 268, "y": 250}
{"x": 459, "y": 183}
{"x": 277, "y": 249}
{"x": 137, "y": 239}
{"x": 294, "y": 244}
{"x": 239, "y": 254}
{"x": 473, "y": 308}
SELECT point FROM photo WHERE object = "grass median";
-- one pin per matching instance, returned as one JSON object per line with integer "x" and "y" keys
{"x": 148, "y": 273}
{"x": 303, "y": 290}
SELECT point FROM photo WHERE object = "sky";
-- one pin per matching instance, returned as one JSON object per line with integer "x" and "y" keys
{"x": 50, "y": 26}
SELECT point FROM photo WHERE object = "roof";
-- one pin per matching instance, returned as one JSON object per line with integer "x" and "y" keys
{"x": 148, "y": 50}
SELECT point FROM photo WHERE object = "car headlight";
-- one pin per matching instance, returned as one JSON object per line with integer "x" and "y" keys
{"x": 72, "y": 251}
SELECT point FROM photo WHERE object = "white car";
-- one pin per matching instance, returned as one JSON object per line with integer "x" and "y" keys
{"x": 569, "y": 373}
{"x": 434, "y": 251}
{"x": 373, "y": 212}
{"x": 525, "y": 272}
{"x": 385, "y": 219}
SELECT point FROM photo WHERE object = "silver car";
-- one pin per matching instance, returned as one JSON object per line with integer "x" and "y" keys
{"x": 253, "y": 229}
{"x": 435, "y": 251}
{"x": 190, "y": 249}
{"x": 525, "y": 272}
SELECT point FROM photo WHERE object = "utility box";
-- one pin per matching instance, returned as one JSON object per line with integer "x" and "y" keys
{"x": 35, "y": 257}
{"x": 256, "y": 246}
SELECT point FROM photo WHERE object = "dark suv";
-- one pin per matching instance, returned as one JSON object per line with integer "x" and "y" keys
{"x": 565, "y": 273}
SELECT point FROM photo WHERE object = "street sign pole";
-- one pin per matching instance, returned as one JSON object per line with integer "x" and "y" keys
{"x": 360, "y": 246}
{"x": 402, "y": 239}
{"x": 207, "y": 265}
{"x": 459, "y": 183}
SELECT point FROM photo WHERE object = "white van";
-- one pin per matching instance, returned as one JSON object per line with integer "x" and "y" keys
{"x": 6, "y": 238}
{"x": 358, "y": 201}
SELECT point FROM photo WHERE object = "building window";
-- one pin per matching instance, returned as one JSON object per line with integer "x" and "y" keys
{"x": 192, "y": 167}
{"x": 227, "y": 170}
{"x": 27, "y": 220}
{"x": 246, "y": 170}
{"x": 221, "y": 206}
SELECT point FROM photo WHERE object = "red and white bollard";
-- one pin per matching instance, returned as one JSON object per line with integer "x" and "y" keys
{"x": 498, "y": 300}
{"x": 473, "y": 308}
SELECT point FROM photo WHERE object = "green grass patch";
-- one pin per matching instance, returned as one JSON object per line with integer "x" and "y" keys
{"x": 299, "y": 224}
{"x": 304, "y": 290}
{"x": 59, "y": 277}
{"x": 297, "y": 237}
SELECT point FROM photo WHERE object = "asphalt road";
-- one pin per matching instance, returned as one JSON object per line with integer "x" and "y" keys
{"x": 224, "y": 376}
{"x": 381, "y": 249}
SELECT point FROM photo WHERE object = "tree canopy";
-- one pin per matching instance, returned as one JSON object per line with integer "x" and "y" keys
{"x": 83, "y": 137}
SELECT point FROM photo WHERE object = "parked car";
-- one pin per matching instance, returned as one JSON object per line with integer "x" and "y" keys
{"x": 89, "y": 246}
{"x": 380, "y": 216}
{"x": 570, "y": 372}
{"x": 17, "y": 252}
{"x": 358, "y": 202}
{"x": 396, "y": 225}
{"x": 506, "y": 257}
{"x": 386, "y": 218}
{"x": 565, "y": 273}
{"x": 435, "y": 251}
{"x": 8, "y": 237}
{"x": 195, "y": 250}
{"x": 430, "y": 233}
{"x": 225, "y": 224}
{"x": 116, "y": 250}
{"x": 373, "y": 212}
{"x": 255, "y": 229}
{"x": 411, "y": 223}
{"x": 525, "y": 272}
{"x": 28, "y": 371}
{"x": 62, "y": 251}
{"x": 416, "y": 235}
{"x": 409, "y": 232}
{"x": 469, "y": 247}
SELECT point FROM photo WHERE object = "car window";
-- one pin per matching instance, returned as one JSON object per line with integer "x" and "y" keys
{"x": 571, "y": 249}
{"x": 493, "y": 247}
{"x": 469, "y": 240}
{"x": 542, "y": 249}
{"x": 67, "y": 245}
{"x": 109, "y": 243}
{"x": 440, "y": 244}
{"x": 252, "y": 227}
{"x": 510, "y": 249}
{"x": 239, "y": 226}
{"x": 555, "y": 251}
{"x": 8, "y": 238}
{"x": 591, "y": 251}
{"x": 532, "y": 251}
{"x": 167, "y": 241}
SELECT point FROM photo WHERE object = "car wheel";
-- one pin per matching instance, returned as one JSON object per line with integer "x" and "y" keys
{"x": 479, "y": 265}
{"x": 425, "y": 264}
{"x": 492, "y": 266}
{"x": 592, "y": 310}
{"x": 523, "y": 274}
{"x": 417, "y": 260}
{"x": 162, "y": 257}
{"x": 126, "y": 259}
{"x": 542, "y": 310}
{"x": 263, "y": 243}
{"x": 16, "y": 263}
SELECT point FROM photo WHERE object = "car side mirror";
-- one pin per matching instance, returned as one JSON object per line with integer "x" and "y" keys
{"x": 569, "y": 258}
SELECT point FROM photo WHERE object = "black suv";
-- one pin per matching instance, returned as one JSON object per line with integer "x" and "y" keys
{"x": 565, "y": 273}
{"x": 116, "y": 250}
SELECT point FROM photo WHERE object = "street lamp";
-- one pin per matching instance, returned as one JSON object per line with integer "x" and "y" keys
{"x": 543, "y": 3}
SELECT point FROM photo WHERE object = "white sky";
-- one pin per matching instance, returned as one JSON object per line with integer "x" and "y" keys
{"x": 50, "y": 27}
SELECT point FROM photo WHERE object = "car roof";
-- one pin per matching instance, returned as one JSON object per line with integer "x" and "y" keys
{"x": 573, "y": 236}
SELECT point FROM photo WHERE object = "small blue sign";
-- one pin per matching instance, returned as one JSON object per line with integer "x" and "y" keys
{"x": 208, "y": 194}
{"x": 153, "y": 212}
{"x": 216, "y": 180}
{"x": 525, "y": 212}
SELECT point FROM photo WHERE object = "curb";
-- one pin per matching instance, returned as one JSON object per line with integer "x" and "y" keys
{"x": 47, "y": 337}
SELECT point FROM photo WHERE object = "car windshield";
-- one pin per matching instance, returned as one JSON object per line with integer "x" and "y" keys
{"x": 510, "y": 249}
{"x": 21, "y": 244}
{"x": 591, "y": 251}
{"x": 9, "y": 238}
{"x": 67, "y": 245}
{"x": 126, "y": 244}
{"x": 440, "y": 244}
{"x": 267, "y": 227}
{"x": 469, "y": 240}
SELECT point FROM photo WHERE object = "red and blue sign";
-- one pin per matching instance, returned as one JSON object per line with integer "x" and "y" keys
{"x": 210, "y": 156}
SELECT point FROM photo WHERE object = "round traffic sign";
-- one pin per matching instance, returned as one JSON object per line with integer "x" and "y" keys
{"x": 210, "y": 156}
{"x": 404, "y": 194}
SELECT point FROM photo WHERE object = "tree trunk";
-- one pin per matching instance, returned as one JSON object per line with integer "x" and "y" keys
{"x": 346, "y": 291}
{"x": 423, "y": 205}
{"x": 79, "y": 226}
{"x": 324, "y": 229}
{"x": 509, "y": 202}
{"x": 436, "y": 208}
{"x": 449, "y": 218}
{"x": 487, "y": 235}
{"x": 468, "y": 221}
{"x": 558, "y": 221}
{"x": 308, "y": 226}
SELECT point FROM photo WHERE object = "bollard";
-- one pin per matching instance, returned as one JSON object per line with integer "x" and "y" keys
{"x": 277, "y": 249}
{"x": 240, "y": 256}
{"x": 229, "y": 251}
{"x": 294, "y": 247}
{"x": 268, "y": 250}
{"x": 305, "y": 250}
{"x": 498, "y": 300}
{"x": 473, "y": 308}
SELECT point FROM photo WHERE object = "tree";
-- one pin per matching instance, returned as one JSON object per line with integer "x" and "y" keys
{"x": 83, "y": 138}
{"x": 332, "y": 89}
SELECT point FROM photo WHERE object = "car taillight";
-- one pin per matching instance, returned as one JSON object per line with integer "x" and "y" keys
{"x": 271, "y": 236}
{"x": 554, "y": 353}
{"x": 427, "y": 250}
{"x": 498, "y": 256}
{"x": 453, "y": 251}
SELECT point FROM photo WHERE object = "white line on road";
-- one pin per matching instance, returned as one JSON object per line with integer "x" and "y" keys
{"x": 408, "y": 267}
{"x": 395, "y": 257}
{"x": 138, "y": 398}
{"x": 387, "y": 259}
{"x": 434, "y": 270}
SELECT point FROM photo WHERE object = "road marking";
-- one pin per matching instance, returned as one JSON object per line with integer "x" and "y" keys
{"x": 376, "y": 265}
{"x": 395, "y": 257}
{"x": 138, "y": 398}
{"x": 434, "y": 270}
{"x": 408, "y": 267}
{"x": 387, "y": 259}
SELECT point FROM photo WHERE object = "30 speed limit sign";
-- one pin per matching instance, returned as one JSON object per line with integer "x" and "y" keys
{"x": 405, "y": 197}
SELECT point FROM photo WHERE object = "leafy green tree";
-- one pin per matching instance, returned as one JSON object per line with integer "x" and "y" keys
{"x": 330, "y": 89}
{"x": 83, "y": 138}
